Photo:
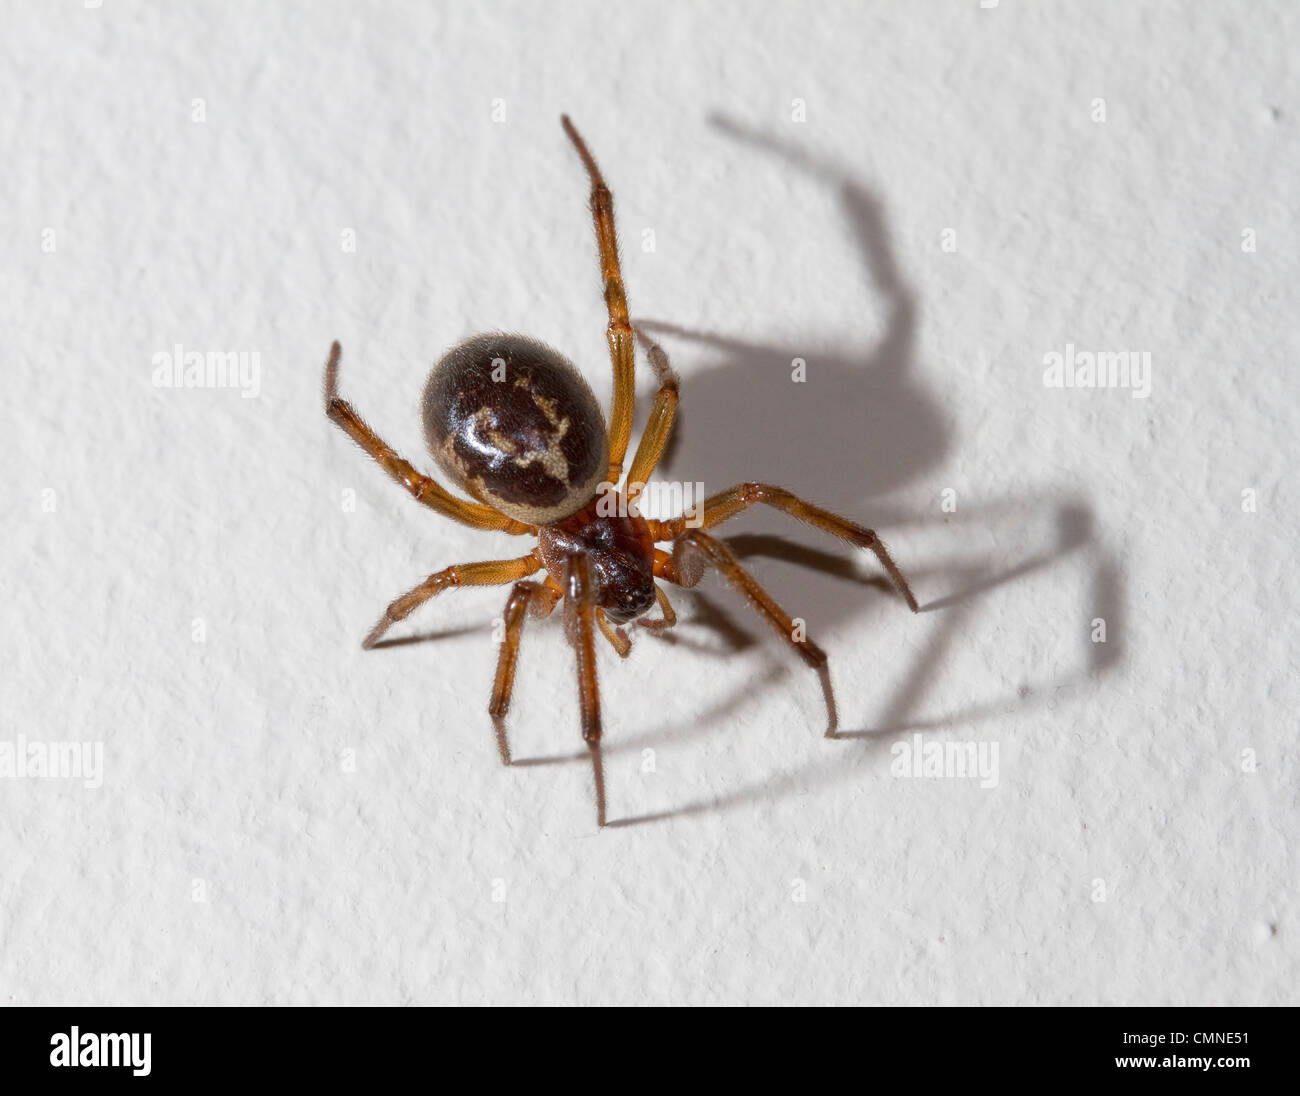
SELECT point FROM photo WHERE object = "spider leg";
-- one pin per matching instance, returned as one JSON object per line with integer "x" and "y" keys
{"x": 579, "y": 611}
{"x": 421, "y": 487}
{"x": 667, "y": 618}
{"x": 685, "y": 567}
{"x": 617, "y": 636}
{"x": 660, "y": 424}
{"x": 496, "y": 572}
{"x": 539, "y": 599}
{"x": 727, "y": 504}
{"x": 619, "y": 331}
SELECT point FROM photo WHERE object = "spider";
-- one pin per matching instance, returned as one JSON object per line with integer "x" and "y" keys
{"x": 513, "y": 424}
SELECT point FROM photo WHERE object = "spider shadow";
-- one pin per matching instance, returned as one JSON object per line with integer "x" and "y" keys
{"x": 430, "y": 637}
{"x": 858, "y": 426}
{"x": 734, "y": 633}
{"x": 1075, "y": 535}
{"x": 861, "y": 418}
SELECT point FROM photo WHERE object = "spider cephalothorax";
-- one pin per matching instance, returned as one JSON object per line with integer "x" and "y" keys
{"x": 512, "y": 423}
{"x": 622, "y": 553}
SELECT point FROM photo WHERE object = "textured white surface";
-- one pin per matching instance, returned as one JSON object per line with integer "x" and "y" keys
{"x": 422, "y": 871}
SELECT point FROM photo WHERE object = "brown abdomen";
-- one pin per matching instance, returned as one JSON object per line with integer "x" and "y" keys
{"x": 513, "y": 423}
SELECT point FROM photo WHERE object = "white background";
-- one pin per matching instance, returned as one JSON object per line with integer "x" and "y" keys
{"x": 286, "y": 818}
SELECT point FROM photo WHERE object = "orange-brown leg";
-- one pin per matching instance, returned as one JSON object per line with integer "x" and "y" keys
{"x": 727, "y": 504}
{"x": 422, "y": 487}
{"x": 579, "y": 617}
{"x": 539, "y": 599}
{"x": 659, "y": 426}
{"x": 667, "y": 618}
{"x": 685, "y": 567}
{"x": 617, "y": 636}
{"x": 496, "y": 572}
{"x": 619, "y": 331}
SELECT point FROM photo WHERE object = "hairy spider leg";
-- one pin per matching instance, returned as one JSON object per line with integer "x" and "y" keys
{"x": 422, "y": 487}
{"x": 727, "y": 504}
{"x": 619, "y": 331}
{"x": 659, "y": 426}
{"x": 579, "y": 613}
{"x": 495, "y": 572}
{"x": 685, "y": 567}
{"x": 539, "y": 599}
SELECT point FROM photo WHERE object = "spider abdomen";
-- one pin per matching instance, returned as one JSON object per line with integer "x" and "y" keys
{"x": 514, "y": 424}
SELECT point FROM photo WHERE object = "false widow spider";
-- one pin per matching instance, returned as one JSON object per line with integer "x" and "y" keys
{"x": 513, "y": 424}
